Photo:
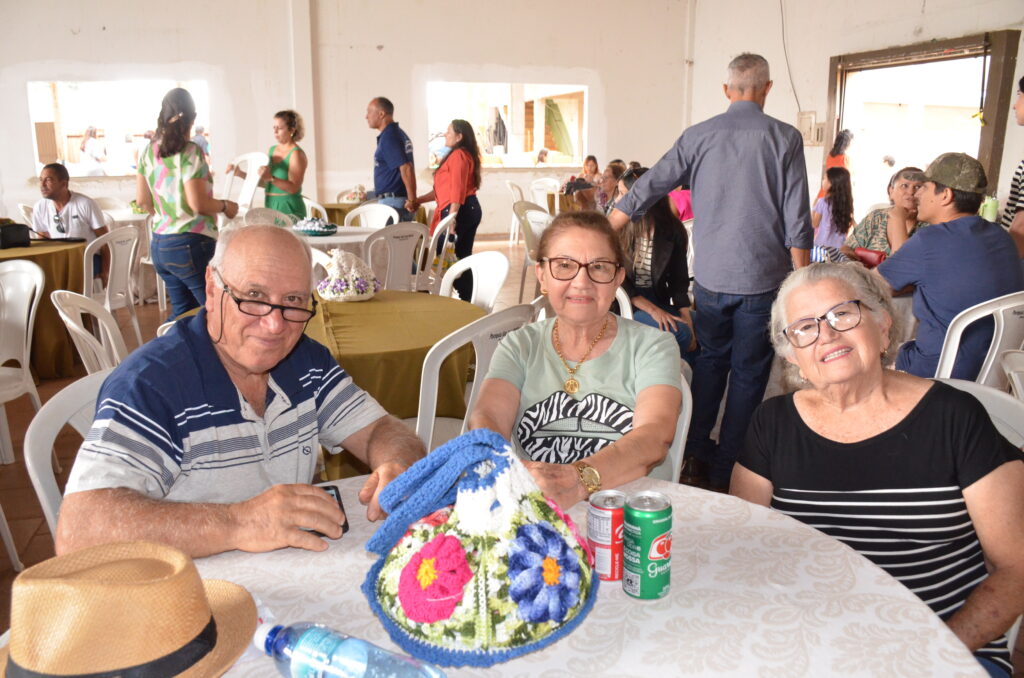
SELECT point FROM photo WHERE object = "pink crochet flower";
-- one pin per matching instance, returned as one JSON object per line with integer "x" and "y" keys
{"x": 432, "y": 582}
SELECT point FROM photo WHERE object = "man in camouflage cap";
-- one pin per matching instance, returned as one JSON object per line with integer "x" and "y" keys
{"x": 958, "y": 262}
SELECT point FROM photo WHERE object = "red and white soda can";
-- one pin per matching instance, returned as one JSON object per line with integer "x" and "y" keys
{"x": 605, "y": 521}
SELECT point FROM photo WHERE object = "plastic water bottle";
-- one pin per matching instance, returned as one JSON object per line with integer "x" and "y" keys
{"x": 307, "y": 650}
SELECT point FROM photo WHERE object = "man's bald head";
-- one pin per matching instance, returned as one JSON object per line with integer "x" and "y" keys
{"x": 238, "y": 244}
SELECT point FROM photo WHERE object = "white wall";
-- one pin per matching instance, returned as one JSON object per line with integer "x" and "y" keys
{"x": 819, "y": 29}
{"x": 630, "y": 57}
{"x": 652, "y": 66}
{"x": 357, "y": 49}
{"x": 240, "y": 47}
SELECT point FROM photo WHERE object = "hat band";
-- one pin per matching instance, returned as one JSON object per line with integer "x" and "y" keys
{"x": 171, "y": 664}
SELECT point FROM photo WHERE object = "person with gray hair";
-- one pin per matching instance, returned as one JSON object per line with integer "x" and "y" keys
{"x": 752, "y": 226}
{"x": 208, "y": 437}
{"x": 908, "y": 472}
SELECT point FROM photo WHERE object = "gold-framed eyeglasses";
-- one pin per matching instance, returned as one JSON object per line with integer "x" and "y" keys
{"x": 293, "y": 314}
{"x": 841, "y": 317}
{"x": 600, "y": 271}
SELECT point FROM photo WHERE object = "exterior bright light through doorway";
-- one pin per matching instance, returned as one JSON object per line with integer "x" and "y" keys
{"x": 908, "y": 115}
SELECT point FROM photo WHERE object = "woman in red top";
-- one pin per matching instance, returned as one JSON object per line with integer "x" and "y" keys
{"x": 837, "y": 156}
{"x": 455, "y": 184}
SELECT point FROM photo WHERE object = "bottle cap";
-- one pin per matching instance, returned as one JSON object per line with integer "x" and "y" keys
{"x": 264, "y": 636}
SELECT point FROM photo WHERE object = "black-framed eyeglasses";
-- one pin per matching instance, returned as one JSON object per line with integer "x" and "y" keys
{"x": 293, "y": 314}
{"x": 600, "y": 271}
{"x": 841, "y": 317}
{"x": 59, "y": 223}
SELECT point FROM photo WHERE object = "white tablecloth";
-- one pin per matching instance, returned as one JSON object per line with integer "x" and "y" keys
{"x": 754, "y": 593}
{"x": 348, "y": 238}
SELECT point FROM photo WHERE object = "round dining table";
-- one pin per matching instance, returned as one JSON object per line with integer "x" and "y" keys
{"x": 53, "y": 354}
{"x": 753, "y": 593}
{"x": 349, "y": 238}
{"x": 382, "y": 342}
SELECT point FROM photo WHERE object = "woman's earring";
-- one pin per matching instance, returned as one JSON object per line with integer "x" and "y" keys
{"x": 544, "y": 291}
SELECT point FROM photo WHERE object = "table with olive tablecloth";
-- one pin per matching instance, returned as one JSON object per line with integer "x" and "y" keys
{"x": 53, "y": 354}
{"x": 337, "y": 211}
{"x": 382, "y": 342}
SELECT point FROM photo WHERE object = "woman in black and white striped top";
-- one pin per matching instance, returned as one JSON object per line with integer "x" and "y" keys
{"x": 908, "y": 472}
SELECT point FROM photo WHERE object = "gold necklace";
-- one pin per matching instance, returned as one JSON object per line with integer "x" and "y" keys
{"x": 571, "y": 385}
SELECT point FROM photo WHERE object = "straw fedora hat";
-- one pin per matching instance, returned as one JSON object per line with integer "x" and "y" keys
{"x": 121, "y": 606}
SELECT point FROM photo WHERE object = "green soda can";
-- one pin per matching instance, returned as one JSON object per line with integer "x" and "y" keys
{"x": 647, "y": 545}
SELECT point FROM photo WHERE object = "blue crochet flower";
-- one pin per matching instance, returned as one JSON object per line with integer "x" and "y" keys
{"x": 545, "y": 574}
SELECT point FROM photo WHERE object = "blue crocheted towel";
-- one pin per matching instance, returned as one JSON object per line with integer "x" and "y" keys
{"x": 476, "y": 567}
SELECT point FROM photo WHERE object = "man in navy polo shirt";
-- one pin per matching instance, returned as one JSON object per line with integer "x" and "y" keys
{"x": 207, "y": 438}
{"x": 959, "y": 261}
{"x": 394, "y": 178}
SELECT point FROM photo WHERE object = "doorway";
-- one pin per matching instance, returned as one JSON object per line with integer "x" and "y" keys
{"x": 908, "y": 115}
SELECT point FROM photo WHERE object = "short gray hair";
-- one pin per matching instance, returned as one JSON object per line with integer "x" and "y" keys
{"x": 874, "y": 296}
{"x": 747, "y": 71}
{"x": 227, "y": 234}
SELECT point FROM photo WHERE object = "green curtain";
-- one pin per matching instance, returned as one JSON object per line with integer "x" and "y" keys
{"x": 554, "y": 122}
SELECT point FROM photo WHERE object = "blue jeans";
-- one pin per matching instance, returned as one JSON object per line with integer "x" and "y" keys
{"x": 682, "y": 333}
{"x": 732, "y": 330}
{"x": 466, "y": 222}
{"x": 180, "y": 259}
{"x": 399, "y": 205}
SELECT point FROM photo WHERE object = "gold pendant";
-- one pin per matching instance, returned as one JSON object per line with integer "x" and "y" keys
{"x": 571, "y": 386}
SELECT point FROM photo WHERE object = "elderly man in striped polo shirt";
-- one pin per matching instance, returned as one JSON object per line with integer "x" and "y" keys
{"x": 207, "y": 438}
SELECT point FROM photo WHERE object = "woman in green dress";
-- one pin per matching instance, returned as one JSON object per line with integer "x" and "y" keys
{"x": 282, "y": 178}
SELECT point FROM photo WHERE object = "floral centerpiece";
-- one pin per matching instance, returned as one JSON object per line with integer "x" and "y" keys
{"x": 349, "y": 278}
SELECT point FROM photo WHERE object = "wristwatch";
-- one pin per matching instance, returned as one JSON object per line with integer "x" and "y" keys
{"x": 589, "y": 476}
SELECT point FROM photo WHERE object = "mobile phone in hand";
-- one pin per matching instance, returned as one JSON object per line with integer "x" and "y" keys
{"x": 333, "y": 491}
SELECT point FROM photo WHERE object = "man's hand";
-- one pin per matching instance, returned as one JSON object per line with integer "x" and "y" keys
{"x": 369, "y": 496}
{"x": 411, "y": 205}
{"x": 276, "y": 517}
{"x": 559, "y": 482}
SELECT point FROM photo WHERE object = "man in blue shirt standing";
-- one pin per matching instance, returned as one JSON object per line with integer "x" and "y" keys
{"x": 394, "y": 177}
{"x": 752, "y": 226}
{"x": 959, "y": 261}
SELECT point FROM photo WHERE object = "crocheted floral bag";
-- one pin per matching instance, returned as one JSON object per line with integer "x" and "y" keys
{"x": 476, "y": 566}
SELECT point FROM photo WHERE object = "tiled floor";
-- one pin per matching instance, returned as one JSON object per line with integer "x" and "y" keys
{"x": 31, "y": 536}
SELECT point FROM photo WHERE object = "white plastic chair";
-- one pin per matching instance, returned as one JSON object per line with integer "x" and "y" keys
{"x": 108, "y": 203}
{"x": 489, "y": 272}
{"x": 542, "y": 306}
{"x": 146, "y": 259}
{"x": 517, "y": 196}
{"x": 74, "y": 405}
{"x": 264, "y": 216}
{"x": 165, "y": 328}
{"x": 1005, "y": 411}
{"x": 21, "y": 286}
{"x": 1012, "y": 363}
{"x": 373, "y": 215}
{"x": 541, "y": 188}
{"x": 405, "y": 243}
{"x": 670, "y": 466}
{"x": 320, "y": 261}
{"x": 104, "y": 353}
{"x": 484, "y": 334}
{"x": 1007, "y": 312}
{"x": 26, "y": 213}
{"x": 123, "y": 245}
{"x": 250, "y": 163}
{"x": 314, "y": 209}
{"x": 430, "y": 274}
{"x": 533, "y": 219}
